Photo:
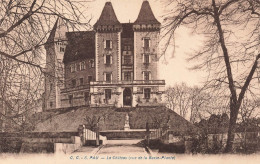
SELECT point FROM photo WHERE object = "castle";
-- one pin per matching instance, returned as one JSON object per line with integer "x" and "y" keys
{"x": 116, "y": 64}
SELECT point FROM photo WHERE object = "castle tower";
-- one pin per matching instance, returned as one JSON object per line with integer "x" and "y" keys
{"x": 108, "y": 36}
{"x": 146, "y": 42}
{"x": 126, "y": 60}
{"x": 54, "y": 69}
{"x": 108, "y": 57}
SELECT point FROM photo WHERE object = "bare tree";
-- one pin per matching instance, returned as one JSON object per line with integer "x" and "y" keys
{"x": 24, "y": 28}
{"x": 186, "y": 100}
{"x": 229, "y": 53}
{"x": 249, "y": 109}
{"x": 179, "y": 99}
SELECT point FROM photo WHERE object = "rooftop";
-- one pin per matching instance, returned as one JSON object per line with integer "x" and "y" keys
{"x": 146, "y": 15}
{"x": 81, "y": 45}
{"x": 107, "y": 17}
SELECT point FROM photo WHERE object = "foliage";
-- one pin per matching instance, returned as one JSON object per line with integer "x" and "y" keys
{"x": 215, "y": 124}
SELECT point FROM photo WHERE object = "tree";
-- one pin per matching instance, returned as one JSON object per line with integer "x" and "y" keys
{"x": 229, "y": 53}
{"x": 249, "y": 108}
{"x": 178, "y": 98}
{"x": 24, "y": 28}
{"x": 248, "y": 115}
{"x": 186, "y": 100}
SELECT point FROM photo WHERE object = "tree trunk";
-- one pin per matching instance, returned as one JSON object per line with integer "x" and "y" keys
{"x": 231, "y": 135}
{"x": 232, "y": 127}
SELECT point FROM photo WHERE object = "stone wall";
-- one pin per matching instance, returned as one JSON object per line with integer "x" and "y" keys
{"x": 35, "y": 142}
{"x": 88, "y": 71}
{"x": 115, "y": 67}
{"x": 139, "y": 66}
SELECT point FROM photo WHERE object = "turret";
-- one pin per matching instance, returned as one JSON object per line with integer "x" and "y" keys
{"x": 108, "y": 20}
{"x": 146, "y": 20}
{"x": 54, "y": 69}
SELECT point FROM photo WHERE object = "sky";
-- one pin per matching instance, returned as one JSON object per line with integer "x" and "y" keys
{"x": 173, "y": 66}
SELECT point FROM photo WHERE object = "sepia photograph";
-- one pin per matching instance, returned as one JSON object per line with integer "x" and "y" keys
{"x": 133, "y": 81}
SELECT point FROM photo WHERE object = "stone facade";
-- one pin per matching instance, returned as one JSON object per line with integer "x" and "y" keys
{"x": 114, "y": 65}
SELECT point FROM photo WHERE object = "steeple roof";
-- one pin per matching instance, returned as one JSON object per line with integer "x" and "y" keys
{"x": 107, "y": 17}
{"x": 146, "y": 15}
{"x": 52, "y": 33}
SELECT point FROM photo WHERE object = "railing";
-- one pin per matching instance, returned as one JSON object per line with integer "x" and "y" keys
{"x": 81, "y": 87}
{"x": 134, "y": 82}
{"x": 158, "y": 134}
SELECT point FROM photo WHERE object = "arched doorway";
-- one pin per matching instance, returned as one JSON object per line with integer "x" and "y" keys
{"x": 127, "y": 97}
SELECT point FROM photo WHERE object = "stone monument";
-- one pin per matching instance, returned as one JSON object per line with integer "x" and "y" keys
{"x": 127, "y": 126}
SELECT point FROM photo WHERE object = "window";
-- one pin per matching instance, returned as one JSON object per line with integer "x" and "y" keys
{"x": 108, "y": 59}
{"x": 70, "y": 99}
{"x": 51, "y": 86}
{"x": 127, "y": 59}
{"x": 73, "y": 83}
{"x": 83, "y": 65}
{"x": 108, "y": 94}
{"x": 51, "y": 104}
{"x": 89, "y": 79}
{"x": 147, "y": 93}
{"x": 127, "y": 76}
{"x": 72, "y": 68}
{"x": 81, "y": 81}
{"x": 127, "y": 48}
{"x": 108, "y": 77}
{"x": 146, "y": 59}
{"x": 146, "y": 76}
{"x": 146, "y": 43}
{"x": 108, "y": 44}
{"x": 62, "y": 49}
{"x": 91, "y": 63}
{"x": 86, "y": 96}
{"x": 78, "y": 67}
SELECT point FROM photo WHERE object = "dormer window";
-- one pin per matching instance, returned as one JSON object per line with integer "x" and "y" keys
{"x": 82, "y": 65}
{"x": 72, "y": 68}
{"x": 91, "y": 63}
{"x": 78, "y": 67}
{"x": 62, "y": 49}
{"x": 108, "y": 44}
